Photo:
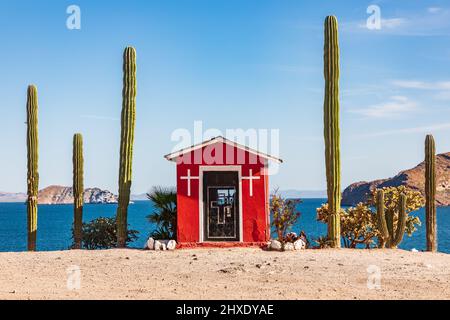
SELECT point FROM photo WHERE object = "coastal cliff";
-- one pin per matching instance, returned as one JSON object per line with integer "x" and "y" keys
{"x": 412, "y": 178}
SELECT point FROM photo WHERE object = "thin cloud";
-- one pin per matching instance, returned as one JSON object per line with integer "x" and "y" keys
{"x": 396, "y": 106}
{"x": 441, "y": 87}
{"x": 432, "y": 21}
{"x": 422, "y": 85}
{"x": 94, "y": 117}
{"x": 425, "y": 129}
{"x": 393, "y": 23}
{"x": 434, "y": 9}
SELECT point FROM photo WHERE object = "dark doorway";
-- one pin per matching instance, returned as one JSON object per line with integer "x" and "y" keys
{"x": 221, "y": 206}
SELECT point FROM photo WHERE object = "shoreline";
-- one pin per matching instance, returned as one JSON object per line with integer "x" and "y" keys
{"x": 228, "y": 274}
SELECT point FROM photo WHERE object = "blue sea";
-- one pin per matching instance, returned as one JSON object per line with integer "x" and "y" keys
{"x": 55, "y": 222}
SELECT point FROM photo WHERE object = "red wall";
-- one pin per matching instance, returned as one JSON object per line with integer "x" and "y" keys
{"x": 254, "y": 209}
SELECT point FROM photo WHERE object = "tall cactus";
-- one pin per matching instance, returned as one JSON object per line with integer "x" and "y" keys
{"x": 126, "y": 143}
{"x": 390, "y": 236}
{"x": 78, "y": 189}
{"x": 430, "y": 192}
{"x": 32, "y": 164}
{"x": 331, "y": 129}
{"x": 382, "y": 225}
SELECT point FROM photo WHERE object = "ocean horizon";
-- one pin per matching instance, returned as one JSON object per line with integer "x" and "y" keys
{"x": 55, "y": 222}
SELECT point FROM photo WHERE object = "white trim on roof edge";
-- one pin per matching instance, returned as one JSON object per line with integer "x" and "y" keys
{"x": 176, "y": 154}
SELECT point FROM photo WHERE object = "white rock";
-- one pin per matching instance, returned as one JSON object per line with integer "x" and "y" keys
{"x": 299, "y": 245}
{"x": 158, "y": 245}
{"x": 275, "y": 245}
{"x": 414, "y": 250}
{"x": 289, "y": 246}
{"x": 163, "y": 246}
{"x": 171, "y": 245}
{"x": 150, "y": 244}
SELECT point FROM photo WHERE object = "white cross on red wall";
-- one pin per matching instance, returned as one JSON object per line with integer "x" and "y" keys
{"x": 189, "y": 178}
{"x": 251, "y": 178}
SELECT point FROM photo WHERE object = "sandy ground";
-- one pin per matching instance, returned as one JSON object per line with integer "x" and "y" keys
{"x": 225, "y": 274}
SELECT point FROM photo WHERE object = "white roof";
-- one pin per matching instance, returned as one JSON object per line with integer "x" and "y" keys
{"x": 174, "y": 155}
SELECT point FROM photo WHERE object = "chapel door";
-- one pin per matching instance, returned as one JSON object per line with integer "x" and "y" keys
{"x": 221, "y": 206}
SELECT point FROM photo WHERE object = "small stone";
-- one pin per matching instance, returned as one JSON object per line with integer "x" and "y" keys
{"x": 157, "y": 245}
{"x": 150, "y": 244}
{"x": 171, "y": 245}
{"x": 289, "y": 247}
{"x": 259, "y": 266}
{"x": 275, "y": 245}
{"x": 299, "y": 245}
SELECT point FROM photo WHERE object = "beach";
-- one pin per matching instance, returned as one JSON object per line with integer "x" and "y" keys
{"x": 229, "y": 274}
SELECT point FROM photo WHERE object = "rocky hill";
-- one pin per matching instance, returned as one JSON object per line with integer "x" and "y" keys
{"x": 12, "y": 197}
{"x": 64, "y": 195}
{"x": 412, "y": 178}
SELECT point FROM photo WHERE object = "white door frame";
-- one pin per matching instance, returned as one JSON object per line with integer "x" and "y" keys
{"x": 203, "y": 169}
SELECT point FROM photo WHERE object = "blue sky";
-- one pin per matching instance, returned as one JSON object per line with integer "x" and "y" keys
{"x": 231, "y": 64}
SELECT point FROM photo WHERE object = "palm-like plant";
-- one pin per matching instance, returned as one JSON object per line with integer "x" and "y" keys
{"x": 164, "y": 214}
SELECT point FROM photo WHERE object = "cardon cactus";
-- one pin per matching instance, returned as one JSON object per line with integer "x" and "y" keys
{"x": 390, "y": 235}
{"x": 32, "y": 164}
{"x": 331, "y": 129}
{"x": 126, "y": 143}
{"x": 78, "y": 189}
{"x": 382, "y": 225}
{"x": 430, "y": 192}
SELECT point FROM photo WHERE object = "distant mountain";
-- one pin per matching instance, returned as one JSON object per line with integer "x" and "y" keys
{"x": 139, "y": 197}
{"x": 12, "y": 197}
{"x": 62, "y": 195}
{"x": 303, "y": 194}
{"x": 413, "y": 178}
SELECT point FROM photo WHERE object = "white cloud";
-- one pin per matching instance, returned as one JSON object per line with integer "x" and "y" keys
{"x": 396, "y": 106}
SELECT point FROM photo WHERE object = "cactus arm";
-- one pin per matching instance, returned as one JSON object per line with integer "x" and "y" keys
{"x": 331, "y": 128}
{"x": 430, "y": 193}
{"x": 382, "y": 225}
{"x": 126, "y": 144}
{"x": 401, "y": 223}
{"x": 32, "y": 165}
{"x": 78, "y": 189}
{"x": 390, "y": 228}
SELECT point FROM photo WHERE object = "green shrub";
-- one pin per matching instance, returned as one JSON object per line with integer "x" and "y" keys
{"x": 101, "y": 233}
{"x": 284, "y": 214}
{"x": 359, "y": 225}
{"x": 164, "y": 213}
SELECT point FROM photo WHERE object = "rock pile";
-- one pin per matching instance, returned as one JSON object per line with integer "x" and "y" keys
{"x": 160, "y": 245}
